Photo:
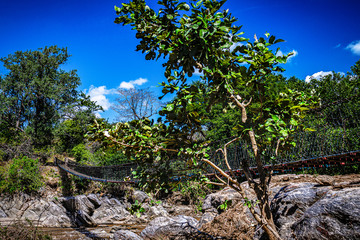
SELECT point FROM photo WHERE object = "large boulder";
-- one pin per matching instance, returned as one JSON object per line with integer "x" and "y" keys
{"x": 313, "y": 211}
{"x": 47, "y": 214}
{"x": 2, "y": 214}
{"x": 110, "y": 210}
{"x": 290, "y": 203}
{"x": 95, "y": 200}
{"x": 157, "y": 211}
{"x": 213, "y": 201}
{"x": 43, "y": 212}
{"x": 335, "y": 216}
{"x": 139, "y": 196}
{"x": 80, "y": 202}
{"x": 83, "y": 219}
{"x": 179, "y": 227}
{"x": 13, "y": 206}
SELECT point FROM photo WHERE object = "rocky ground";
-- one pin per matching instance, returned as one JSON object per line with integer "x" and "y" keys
{"x": 304, "y": 207}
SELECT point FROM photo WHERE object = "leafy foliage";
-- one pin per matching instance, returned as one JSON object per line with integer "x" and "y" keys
{"x": 21, "y": 175}
{"x": 201, "y": 36}
{"x": 194, "y": 192}
{"x": 136, "y": 209}
{"x": 71, "y": 132}
{"x": 36, "y": 93}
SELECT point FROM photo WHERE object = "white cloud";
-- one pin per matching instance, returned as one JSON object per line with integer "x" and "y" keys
{"x": 337, "y": 46}
{"x": 131, "y": 84}
{"x": 354, "y": 47}
{"x": 294, "y": 54}
{"x": 317, "y": 75}
{"x": 98, "y": 95}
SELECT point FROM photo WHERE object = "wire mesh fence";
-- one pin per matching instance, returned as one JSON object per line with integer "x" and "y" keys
{"x": 336, "y": 131}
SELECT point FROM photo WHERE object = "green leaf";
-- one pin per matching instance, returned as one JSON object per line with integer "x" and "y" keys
{"x": 272, "y": 39}
{"x": 294, "y": 122}
{"x": 170, "y": 107}
{"x": 183, "y": 6}
{"x": 279, "y": 40}
{"x": 117, "y": 9}
{"x": 203, "y": 32}
{"x": 224, "y": 28}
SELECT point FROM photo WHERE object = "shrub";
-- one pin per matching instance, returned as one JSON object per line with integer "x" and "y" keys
{"x": 21, "y": 174}
{"x": 82, "y": 154}
{"x": 194, "y": 192}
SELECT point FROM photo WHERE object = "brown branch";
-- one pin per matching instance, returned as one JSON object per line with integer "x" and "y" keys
{"x": 224, "y": 174}
{"x": 236, "y": 99}
{"x": 226, "y": 158}
{"x": 217, "y": 184}
{"x": 218, "y": 178}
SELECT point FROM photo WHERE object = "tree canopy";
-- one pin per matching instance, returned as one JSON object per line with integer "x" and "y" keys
{"x": 36, "y": 93}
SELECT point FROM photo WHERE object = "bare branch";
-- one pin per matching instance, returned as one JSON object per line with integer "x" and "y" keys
{"x": 136, "y": 104}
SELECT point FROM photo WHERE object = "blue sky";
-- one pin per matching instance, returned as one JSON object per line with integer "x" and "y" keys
{"x": 324, "y": 35}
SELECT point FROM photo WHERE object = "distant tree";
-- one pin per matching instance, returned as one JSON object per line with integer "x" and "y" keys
{"x": 337, "y": 86}
{"x": 135, "y": 104}
{"x": 36, "y": 92}
{"x": 72, "y": 131}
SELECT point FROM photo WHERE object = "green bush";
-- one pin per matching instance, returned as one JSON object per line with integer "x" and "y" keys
{"x": 20, "y": 175}
{"x": 194, "y": 192}
{"x": 82, "y": 154}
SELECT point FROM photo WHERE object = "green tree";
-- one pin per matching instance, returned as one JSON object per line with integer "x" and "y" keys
{"x": 200, "y": 37}
{"x": 35, "y": 92}
{"x": 71, "y": 132}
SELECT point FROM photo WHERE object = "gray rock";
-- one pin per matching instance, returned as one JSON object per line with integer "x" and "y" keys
{"x": 2, "y": 214}
{"x": 158, "y": 211}
{"x": 214, "y": 200}
{"x": 207, "y": 217}
{"x": 109, "y": 211}
{"x": 290, "y": 203}
{"x": 83, "y": 219}
{"x": 93, "y": 198}
{"x": 335, "y": 216}
{"x": 312, "y": 211}
{"x": 179, "y": 227}
{"x": 47, "y": 214}
{"x": 126, "y": 235}
{"x": 180, "y": 209}
{"x": 13, "y": 206}
{"x": 140, "y": 196}
{"x": 81, "y": 202}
